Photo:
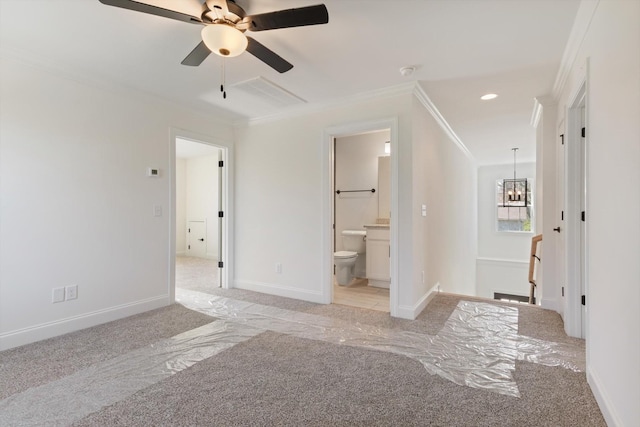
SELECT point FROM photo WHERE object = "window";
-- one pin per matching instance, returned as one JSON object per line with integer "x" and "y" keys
{"x": 513, "y": 218}
{"x": 512, "y": 298}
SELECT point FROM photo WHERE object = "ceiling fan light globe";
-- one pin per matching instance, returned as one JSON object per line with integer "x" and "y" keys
{"x": 224, "y": 40}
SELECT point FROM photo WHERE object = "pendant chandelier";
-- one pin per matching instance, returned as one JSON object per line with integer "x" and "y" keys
{"x": 515, "y": 191}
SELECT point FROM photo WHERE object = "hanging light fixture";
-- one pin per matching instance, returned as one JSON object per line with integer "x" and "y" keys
{"x": 225, "y": 41}
{"x": 514, "y": 191}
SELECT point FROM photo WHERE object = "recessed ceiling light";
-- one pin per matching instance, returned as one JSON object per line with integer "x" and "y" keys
{"x": 488, "y": 96}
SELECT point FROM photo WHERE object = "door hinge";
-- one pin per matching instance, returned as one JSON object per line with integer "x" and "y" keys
{"x": 562, "y": 138}
{"x": 220, "y": 163}
{"x": 584, "y": 300}
{"x": 584, "y": 132}
{"x": 582, "y": 216}
{"x": 562, "y": 215}
{"x": 220, "y": 214}
{"x": 189, "y": 247}
{"x": 563, "y": 291}
{"x": 189, "y": 231}
{"x": 220, "y": 264}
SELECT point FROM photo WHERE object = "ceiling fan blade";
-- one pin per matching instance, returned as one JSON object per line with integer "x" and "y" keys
{"x": 299, "y": 17}
{"x": 268, "y": 56}
{"x": 152, "y": 10}
{"x": 197, "y": 55}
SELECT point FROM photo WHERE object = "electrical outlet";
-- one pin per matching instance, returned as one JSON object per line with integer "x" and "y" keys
{"x": 71, "y": 292}
{"x": 57, "y": 295}
{"x": 278, "y": 268}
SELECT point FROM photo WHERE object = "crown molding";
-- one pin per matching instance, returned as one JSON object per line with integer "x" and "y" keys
{"x": 537, "y": 113}
{"x": 581, "y": 25}
{"x": 301, "y": 110}
{"x": 539, "y": 102}
{"x": 424, "y": 99}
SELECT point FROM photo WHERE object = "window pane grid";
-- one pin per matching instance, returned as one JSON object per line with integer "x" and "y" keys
{"x": 513, "y": 218}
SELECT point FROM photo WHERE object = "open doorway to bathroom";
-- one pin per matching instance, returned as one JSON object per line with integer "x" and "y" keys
{"x": 199, "y": 196}
{"x": 361, "y": 218}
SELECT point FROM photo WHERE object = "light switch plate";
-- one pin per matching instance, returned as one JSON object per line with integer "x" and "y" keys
{"x": 57, "y": 295}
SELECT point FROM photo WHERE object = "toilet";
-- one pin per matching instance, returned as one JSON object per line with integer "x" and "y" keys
{"x": 345, "y": 261}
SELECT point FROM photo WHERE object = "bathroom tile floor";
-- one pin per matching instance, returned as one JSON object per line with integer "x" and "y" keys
{"x": 359, "y": 294}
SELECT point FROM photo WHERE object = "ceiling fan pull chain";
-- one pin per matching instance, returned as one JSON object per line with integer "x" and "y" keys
{"x": 222, "y": 78}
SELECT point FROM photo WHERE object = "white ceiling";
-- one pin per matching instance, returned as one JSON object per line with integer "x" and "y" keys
{"x": 462, "y": 49}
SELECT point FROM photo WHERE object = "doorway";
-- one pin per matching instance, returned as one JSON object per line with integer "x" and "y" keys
{"x": 363, "y": 203}
{"x": 200, "y": 216}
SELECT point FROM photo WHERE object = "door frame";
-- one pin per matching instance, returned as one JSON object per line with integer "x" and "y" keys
{"x": 561, "y": 246}
{"x": 576, "y": 249}
{"x": 226, "y": 156}
{"x": 327, "y": 162}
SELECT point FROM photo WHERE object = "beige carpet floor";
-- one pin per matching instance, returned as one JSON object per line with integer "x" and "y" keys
{"x": 278, "y": 379}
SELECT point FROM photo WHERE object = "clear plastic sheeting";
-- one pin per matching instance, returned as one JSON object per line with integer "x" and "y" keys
{"x": 477, "y": 347}
{"x": 72, "y": 398}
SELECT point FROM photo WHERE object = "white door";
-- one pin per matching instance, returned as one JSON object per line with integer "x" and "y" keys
{"x": 583, "y": 228}
{"x": 575, "y": 197}
{"x": 221, "y": 218}
{"x": 196, "y": 239}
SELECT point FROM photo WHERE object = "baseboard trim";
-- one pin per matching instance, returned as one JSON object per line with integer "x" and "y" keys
{"x": 501, "y": 261}
{"x": 75, "y": 323}
{"x": 605, "y": 405}
{"x": 411, "y": 312}
{"x": 550, "y": 304}
{"x": 280, "y": 290}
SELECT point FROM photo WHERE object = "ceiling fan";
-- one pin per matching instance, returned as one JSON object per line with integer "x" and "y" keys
{"x": 225, "y": 24}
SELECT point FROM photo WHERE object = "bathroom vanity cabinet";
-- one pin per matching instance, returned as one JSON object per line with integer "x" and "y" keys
{"x": 378, "y": 256}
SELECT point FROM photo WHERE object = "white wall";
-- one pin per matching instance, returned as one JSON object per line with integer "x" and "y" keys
{"x": 181, "y": 206}
{"x": 77, "y": 207}
{"x": 202, "y": 197}
{"x": 503, "y": 257}
{"x": 446, "y": 239}
{"x": 280, "y": 207}
{"x": 356, "y": 168}
{"x": 280, "y": 201}
{"x": 612, "y": 49}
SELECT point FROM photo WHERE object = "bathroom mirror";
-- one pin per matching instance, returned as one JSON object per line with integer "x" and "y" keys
{"x": 384, "y": 187}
